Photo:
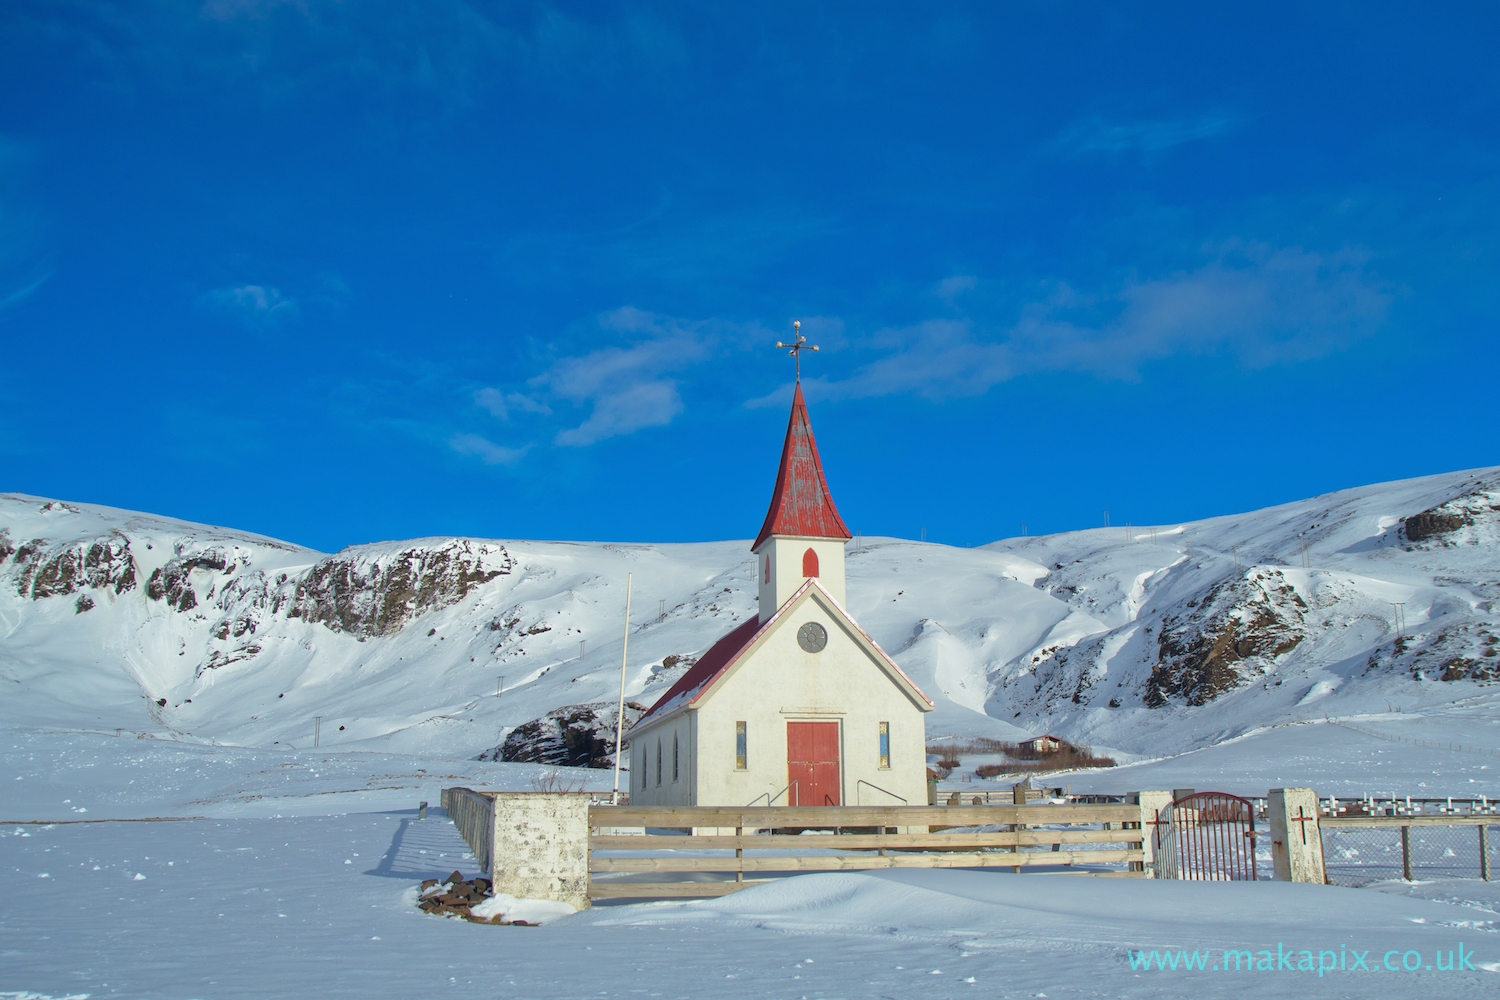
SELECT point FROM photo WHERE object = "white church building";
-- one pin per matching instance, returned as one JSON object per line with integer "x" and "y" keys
{"x": 798, "y": 706}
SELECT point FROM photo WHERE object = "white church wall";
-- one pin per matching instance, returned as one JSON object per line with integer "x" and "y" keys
{"x": 779, "y": 569}
{"x": 673, "y": 789}
{"x": 781, "y": 683}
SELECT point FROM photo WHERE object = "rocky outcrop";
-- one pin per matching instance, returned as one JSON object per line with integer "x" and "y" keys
{"x": 173, "y": 582}
{"x": 571, "y": 736}
{"x": 1445, "y": 520}
{"x": 380, "y": 595}
{"x": 1212, "y": 646}
{"x": 102, "y": 563}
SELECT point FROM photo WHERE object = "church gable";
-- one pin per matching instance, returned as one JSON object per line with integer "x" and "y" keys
{"x": 739, "y": 650}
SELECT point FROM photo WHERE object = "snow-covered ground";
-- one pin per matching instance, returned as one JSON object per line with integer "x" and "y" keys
{"x": 322, "y": 905}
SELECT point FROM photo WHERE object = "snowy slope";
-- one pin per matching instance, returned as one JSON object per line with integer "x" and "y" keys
{"x": 1144, "y": 641}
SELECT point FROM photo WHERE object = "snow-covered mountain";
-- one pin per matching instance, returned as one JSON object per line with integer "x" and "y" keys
{"x": 1143, "y": 640}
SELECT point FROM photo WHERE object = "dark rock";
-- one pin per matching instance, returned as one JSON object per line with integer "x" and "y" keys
{"x": 1241, "y": 624}
{"x": 103, "y": 563}
{"x": 454, "y": 878}
{"x": 1433, "y": 523}
{"x": 377, "y": 596}
{"x": 571, "y": 736}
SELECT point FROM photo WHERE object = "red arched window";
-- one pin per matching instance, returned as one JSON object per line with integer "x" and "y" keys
{"x": 809, "y": 563}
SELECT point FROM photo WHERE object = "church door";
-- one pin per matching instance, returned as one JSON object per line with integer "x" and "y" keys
{"x": 812, "y": 763}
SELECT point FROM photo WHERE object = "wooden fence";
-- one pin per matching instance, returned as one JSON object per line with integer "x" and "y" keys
{"x": 473, "y": 814}
{"x": 707, "y": 851}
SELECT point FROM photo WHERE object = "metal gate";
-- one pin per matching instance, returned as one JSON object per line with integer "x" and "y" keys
{"x": 1208, "y": 837}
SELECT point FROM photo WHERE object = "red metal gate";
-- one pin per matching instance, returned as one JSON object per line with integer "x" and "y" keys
{"x": 1209, "y": 836}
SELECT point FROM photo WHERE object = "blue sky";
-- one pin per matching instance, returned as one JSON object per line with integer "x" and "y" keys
{"x": 340, "y": 272}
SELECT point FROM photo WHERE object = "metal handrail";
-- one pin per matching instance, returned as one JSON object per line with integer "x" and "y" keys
{"x": 771, "y": 798}
{"x": 872, "y": 784}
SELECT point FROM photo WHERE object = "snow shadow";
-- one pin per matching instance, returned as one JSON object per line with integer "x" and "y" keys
{"x": 425, "y": 848}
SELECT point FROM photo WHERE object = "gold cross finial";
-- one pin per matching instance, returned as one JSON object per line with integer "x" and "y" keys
{"x": 797, "y": 346}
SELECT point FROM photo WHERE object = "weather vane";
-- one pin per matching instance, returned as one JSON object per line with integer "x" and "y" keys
{"x": 797, "y": 346}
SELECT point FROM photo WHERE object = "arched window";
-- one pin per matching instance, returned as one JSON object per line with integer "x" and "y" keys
{"x": 809, "y": 563}
{"x": 658, "y": 763}
{"x": 768, "y": 569}
{"x": 674, "y": 756}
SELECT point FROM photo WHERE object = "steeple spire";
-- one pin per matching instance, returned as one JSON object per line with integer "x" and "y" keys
{"x": 801, "y": 504}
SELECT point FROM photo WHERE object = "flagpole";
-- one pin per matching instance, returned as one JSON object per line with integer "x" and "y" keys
{"x": 614, "y": 798}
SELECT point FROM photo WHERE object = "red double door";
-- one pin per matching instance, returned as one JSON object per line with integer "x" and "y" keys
{"x": 812, "y": 763}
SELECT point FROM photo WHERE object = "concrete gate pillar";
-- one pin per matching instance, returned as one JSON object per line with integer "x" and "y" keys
{"x": 1296, "y": 838}
{"x": 1152, "y": 803}
{"x": 542, "y": 846}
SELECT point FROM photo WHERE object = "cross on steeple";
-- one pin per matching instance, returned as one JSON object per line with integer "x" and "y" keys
{"x": 797, "y": 346}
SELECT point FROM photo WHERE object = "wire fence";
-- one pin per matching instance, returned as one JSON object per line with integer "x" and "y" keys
{"x": 1360, "y": 855}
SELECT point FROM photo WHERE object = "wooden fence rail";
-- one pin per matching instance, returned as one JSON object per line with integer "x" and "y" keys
{"x": 473, "y": 813}
{"x": 711, "y": 849}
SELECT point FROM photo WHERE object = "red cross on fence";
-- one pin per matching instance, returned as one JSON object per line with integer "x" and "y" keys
{"x": 1303, "y": 819}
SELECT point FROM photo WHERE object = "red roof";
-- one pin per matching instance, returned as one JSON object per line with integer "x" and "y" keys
{"x": 716, "y": 659}
{"x": 801, "y": 504}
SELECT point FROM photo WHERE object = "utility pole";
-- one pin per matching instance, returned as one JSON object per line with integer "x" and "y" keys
{"x": 1106, "y": 519}
{"x": 499, "y": 685}
{"x": 614, "y": 798}
{"x": 317, "y": 729}
{"x": 924, "y": 533}
{"x": 580, "y": 647}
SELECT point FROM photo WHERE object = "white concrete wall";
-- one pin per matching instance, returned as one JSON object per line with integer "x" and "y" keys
{"x": 542, "y": 846}
{"x": 783, "y": 553}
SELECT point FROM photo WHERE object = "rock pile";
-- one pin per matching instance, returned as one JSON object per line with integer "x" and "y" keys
{"x": 457, "y": 897}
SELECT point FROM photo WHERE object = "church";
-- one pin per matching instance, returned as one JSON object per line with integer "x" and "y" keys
{"x": 798, "y": 706}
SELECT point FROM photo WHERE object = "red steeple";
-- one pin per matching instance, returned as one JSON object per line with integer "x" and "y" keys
{"x": 801, "y": 504}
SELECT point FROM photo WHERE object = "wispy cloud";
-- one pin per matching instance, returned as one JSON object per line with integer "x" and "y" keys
{"x": 1259, "y": 305}
{"x": 486, "y": 450}
{"x": 952, "y": 287}
{"x": 624, "y": 387}
{"x": 23, "y": 293}
{"x": 1097, "y": 135}
{"x": 259, "y": 305}
{"x": 503, "y": 404}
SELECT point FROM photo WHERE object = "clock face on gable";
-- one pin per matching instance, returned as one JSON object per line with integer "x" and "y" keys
{"x": 812, "y": 637}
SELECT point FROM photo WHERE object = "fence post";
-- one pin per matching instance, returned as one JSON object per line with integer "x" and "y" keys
{"x": 1151, "y": 803}
{"x": 1484, "y": 852}
{"x": 542, "y": 846}
{"x": 1296, "y": 837}
{"x": 1406, "y": 853}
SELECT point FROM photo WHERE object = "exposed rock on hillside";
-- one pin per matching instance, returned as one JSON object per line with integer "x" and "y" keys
{"x": 173, "y": 582}
{"x": 1478, "y": 508}
{"x": 1211, "y": 646}
{"x": 571, "y": 736}
{"x": 354, "y": 593}
{"x": 101, "y": 563}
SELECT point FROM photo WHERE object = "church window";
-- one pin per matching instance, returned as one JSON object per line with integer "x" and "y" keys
{"x": 885, "y": 744}
{"x": 812, "y": 637}
{"x": 674, "y": 756}
{"x": 809, "y": 563}
{"x": 739, "y": 746}
{"x": 658, "y": 763}
{"x": 767, "y": 572}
